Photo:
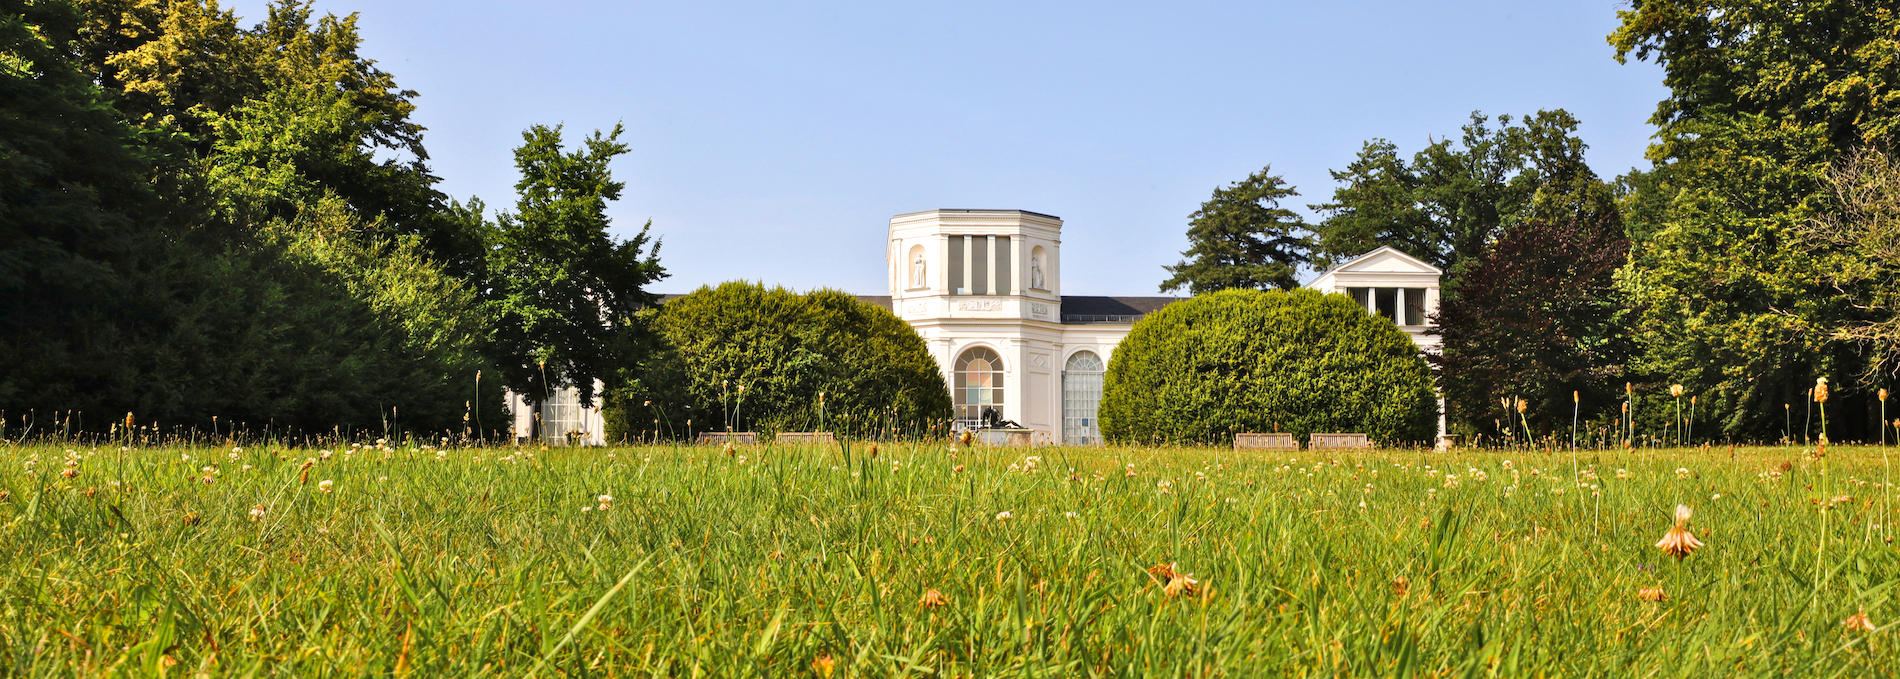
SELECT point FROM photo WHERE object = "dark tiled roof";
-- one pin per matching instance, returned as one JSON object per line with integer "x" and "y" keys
{"x": 1077, "y": 309}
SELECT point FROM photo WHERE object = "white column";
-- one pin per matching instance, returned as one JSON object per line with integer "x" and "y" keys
{"x": 969, "y": 244}
{"x": 942, "y": 266}
{"x": 1398, "y": 311}
{"x": 990, "y": 250}
{"x": 1017, "y": 265}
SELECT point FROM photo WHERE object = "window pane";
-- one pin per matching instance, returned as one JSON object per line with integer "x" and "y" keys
{"x": 1415, "y": 306}
{"x": 956, "y": 265}
{"x": 980, "y": 266}
{"x": 1358, "y": 295}
{"x": 1003, "y": 270}
{"x": 1386, "y": 303}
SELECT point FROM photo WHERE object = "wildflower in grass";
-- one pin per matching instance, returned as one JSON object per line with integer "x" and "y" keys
{"x": 1679, "y": 542}
{"x": 933, "y": 599}
{"x": 1858, "y": 622}
{"x": 1071, "y": 516}
{"x": 606, "y": 502}
{"x": 1451, "y": 480}
{"x": 1507, "y": 465}
{"x": 1682, "y": 473}
{"x": 1654, "y": 593}
{"x": 1182, "y": 584}
{"x": 324, "y": 455}
{"x": 257, "y": 512}
{"x": 1131, "y": 469}
{"x": 823, "y": 666}
{"x": 1004, "y": 516}
{"x": 957, "y": 469}
{"x": 1624, "y": 474}
{"x": 1401, "y": 586}
{"x": 1164, "y": 487}
{"x": 326, "y": 486}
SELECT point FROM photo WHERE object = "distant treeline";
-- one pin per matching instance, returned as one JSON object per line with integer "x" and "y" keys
{"x": 1758, "y": 252}
{"x": 199, "y": 219}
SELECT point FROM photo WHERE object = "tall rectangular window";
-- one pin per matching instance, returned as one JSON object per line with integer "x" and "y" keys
{"x": 956, "y": 266}
{"x": 1359, "y": 295}
{"x": 1414, "y": 306}
{"x": 980, "y": 262}
{"x": 1385, "y": 303}
{"x": 1003, "y": 269}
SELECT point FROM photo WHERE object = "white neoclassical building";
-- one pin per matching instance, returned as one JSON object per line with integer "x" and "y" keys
{"x": 984, "y": 289}
{"x": 1389, "y": 284}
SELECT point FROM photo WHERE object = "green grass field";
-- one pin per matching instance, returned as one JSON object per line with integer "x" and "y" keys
{"x": 810, "y": 561}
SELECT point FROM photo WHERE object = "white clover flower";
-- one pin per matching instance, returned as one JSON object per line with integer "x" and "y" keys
{"x": 327, "y": 486}
{"x": 1682, "y": 473}
{"x": 1004, "y": 516}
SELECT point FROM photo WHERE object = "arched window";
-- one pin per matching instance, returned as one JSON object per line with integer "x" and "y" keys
{"x": 1081, "y": 397}
{"x": 979, "y": 386}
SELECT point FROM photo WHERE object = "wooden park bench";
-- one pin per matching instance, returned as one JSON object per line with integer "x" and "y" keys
{"x": 742, "y": 438}
{"x": 1256, "y": 441}
{"x": 1349, "y": 441}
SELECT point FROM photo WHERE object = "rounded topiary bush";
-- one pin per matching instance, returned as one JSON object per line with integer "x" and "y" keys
{"x": 1202, "y": 369}
{"x": 785, "y": 348}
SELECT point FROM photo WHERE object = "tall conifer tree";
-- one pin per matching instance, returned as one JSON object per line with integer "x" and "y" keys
{"x": 1242, "y": 238}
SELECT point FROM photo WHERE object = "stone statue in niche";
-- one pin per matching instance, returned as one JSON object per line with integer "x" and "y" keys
{"x": 1035, "y": 273}
{"x": 917, "y": 279}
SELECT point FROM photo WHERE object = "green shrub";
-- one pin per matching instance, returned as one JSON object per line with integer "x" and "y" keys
{"x": 1252, "y": 361}
{"x": 786, "y": 348}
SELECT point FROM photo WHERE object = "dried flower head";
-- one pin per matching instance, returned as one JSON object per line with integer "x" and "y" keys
{"x": 1675, "y": 390}
{"x": 1820, "y": 390}
{"x": 1182, "y": 584}
{"x": 1401, "y": 586}
{"x": 933, "y": 599}
{"x": 1858, "y": 622}
{"x": 1883, "y": 394}
{"x": 1679, "y": 542}
{"x": 1651, "y": 594}
{"x": 257, "y": 512}
{"x": 1523, "y": 405}
{"x": 1576, "y": 397}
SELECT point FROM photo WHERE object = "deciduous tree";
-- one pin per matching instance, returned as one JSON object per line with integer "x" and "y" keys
{"x": 560, "y": 287}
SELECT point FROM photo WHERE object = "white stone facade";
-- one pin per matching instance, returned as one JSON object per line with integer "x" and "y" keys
{"x": 563, "y": 420}
{"x": 984, "y": 289}
{"x": 1391, "y": 284}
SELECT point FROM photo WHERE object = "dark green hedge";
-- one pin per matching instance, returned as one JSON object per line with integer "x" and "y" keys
{"x": 1246, "y": 361}
{"x": 786, "y": 348}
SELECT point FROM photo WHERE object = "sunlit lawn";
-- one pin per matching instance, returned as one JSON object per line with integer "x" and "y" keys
{"x": 809, "y": 560}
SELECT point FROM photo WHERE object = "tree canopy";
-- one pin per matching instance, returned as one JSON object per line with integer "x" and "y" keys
{"x": 760, "y": 358}
{"x": 560, "y": 286}
{"x": 1242, "y": 238}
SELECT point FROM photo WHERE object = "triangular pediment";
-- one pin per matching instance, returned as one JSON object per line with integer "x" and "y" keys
{"x": 1387, "y": 260}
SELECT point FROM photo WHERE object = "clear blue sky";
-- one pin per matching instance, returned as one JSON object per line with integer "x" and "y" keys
{"x": 772, "y": 141}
